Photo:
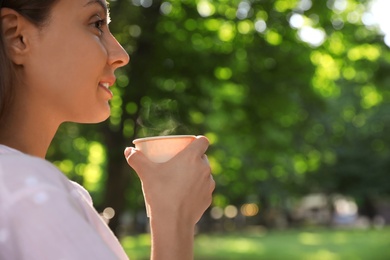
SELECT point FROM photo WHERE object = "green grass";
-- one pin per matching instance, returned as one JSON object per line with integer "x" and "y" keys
{"x": 292, "y": 244}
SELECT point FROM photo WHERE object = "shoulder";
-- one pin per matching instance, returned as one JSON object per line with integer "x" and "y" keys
{"x": 21, "y": 172}
{"x": 81, "y": 191}
{"x": 24, "y": 172}
{"x": 22, "y": 162}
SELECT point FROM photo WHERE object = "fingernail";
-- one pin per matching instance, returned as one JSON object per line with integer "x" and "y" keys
{"x": 128, "y": 151}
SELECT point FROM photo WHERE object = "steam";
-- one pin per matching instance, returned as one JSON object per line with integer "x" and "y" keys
{"x": 160, "y": 118}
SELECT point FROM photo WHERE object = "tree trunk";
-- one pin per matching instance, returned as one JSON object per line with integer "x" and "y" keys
{"x": 119, "y": 176}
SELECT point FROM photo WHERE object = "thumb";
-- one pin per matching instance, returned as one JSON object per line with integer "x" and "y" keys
{"x": 136, "y": 159}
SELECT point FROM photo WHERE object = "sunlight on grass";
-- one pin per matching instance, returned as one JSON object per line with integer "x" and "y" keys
{"x": 340, "y": 238}
{"x": 310, "y": 239}
{"x": 229, "y": 245}
{"x": 310, "y": 244}
{"x": 134, "y": 242}
{"x": 322, "y": 255}
{"x": 137, "y": 247}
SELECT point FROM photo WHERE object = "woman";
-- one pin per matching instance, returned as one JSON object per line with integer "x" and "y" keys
{"x": 57, "y": 63}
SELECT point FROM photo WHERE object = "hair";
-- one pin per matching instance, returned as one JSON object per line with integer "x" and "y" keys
{"x": 37, "y": 12}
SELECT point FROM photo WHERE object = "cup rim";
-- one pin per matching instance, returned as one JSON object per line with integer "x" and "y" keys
{"x": 151, "y": 138}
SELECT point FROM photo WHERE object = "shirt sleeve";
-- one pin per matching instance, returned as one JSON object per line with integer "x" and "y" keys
{"x": 47, "y": 223}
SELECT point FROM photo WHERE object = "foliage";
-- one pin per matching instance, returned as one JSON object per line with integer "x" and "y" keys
{"x": 285, "y": 115}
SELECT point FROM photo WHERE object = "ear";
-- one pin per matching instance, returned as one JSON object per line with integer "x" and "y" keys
{"x": 16, "y": 31}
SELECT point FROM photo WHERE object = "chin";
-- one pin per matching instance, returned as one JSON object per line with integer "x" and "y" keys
{"x": 97, "y": 120}
{"x": 93, "y": 118}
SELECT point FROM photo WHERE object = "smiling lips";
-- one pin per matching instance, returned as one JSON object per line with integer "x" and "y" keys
{"x": 106, "y": 87}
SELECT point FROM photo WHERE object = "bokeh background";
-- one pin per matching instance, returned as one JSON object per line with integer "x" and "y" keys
{"x": 294, "y": 96}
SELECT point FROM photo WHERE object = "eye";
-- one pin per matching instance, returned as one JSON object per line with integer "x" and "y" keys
{"x": 99, "y": 23}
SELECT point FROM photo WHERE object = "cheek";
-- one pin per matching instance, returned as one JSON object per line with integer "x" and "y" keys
{"x": 82, "y": 56}
{"x": 69, "y": 54}
{"x": 79, "y": 61}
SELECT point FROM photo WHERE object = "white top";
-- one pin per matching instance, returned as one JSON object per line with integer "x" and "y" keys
{"x": 44, "y": 215}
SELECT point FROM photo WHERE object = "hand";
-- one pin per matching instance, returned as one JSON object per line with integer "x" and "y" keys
{"x": 180, "y": 188}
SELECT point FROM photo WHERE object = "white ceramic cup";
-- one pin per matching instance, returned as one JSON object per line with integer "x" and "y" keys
{"x": 161, "y": 149}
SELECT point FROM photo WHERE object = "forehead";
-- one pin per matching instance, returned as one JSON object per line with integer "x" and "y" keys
{"x": 79, "y": 8}
{"x": 101, "y": 3}
{"x": 74, "y": 6}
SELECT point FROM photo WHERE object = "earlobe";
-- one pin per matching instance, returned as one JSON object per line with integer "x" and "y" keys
{"x": 14, "y": 30}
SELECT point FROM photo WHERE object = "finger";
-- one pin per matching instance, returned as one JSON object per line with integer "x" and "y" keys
{"x": 136, "y": 159}
{"x": 213, "y": 184}
{"x": 199, "y": 146}
{"x": 204, "y": 157}
{"x": 127, "y": 151}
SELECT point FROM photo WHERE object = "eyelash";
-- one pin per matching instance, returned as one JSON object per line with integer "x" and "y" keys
{"x": 99, "y": 24}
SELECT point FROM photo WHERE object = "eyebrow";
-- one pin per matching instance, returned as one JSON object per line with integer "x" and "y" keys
{"x": 99, "y": 2}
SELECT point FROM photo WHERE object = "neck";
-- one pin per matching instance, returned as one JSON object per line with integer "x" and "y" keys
{"x": 28, "y": 133}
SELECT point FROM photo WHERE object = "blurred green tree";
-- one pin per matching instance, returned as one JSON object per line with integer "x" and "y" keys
{"x": 291, "y": 93}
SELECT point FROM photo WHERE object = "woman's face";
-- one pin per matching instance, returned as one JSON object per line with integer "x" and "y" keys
{"x": 71, "y": 62}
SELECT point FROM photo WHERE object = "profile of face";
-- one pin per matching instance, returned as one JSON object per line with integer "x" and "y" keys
{"x": 69, "y": 63}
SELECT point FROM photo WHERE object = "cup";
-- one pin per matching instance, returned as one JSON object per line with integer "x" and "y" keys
{"x": 160, "y": 149}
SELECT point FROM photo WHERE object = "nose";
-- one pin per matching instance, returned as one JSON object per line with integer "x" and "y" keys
{"x": 117, "y": 56}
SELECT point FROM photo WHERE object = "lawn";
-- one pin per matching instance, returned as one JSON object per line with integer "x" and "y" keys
{"x": 292, "y": 244}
